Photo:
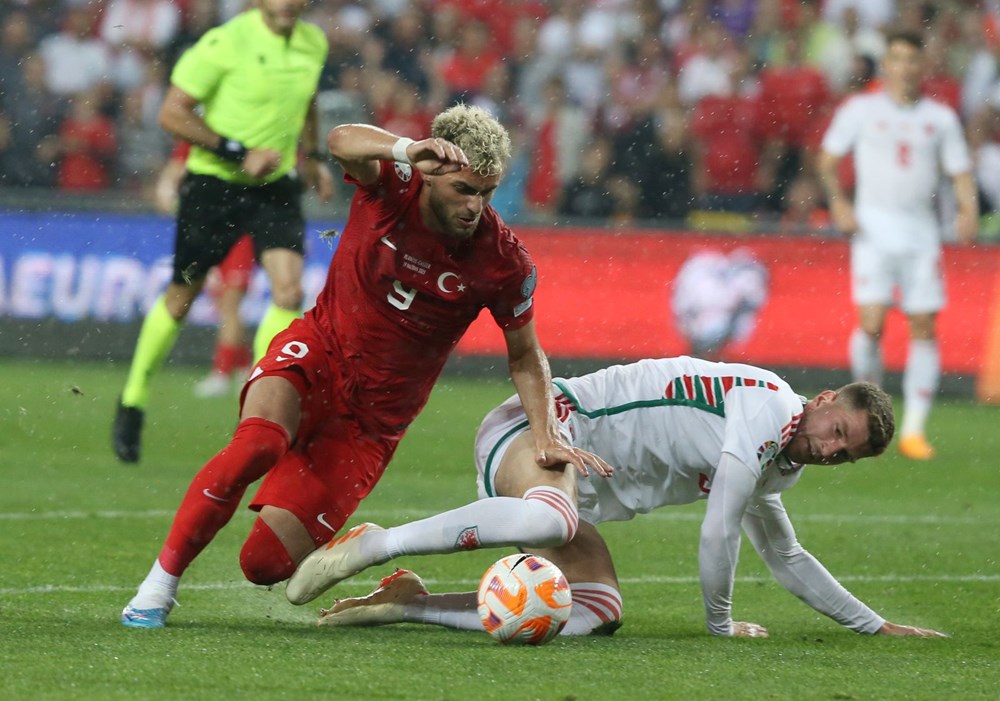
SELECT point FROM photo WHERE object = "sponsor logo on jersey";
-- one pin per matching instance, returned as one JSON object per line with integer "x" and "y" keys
{"x": 468, "y": 539}
{"x": 403, "y": 172}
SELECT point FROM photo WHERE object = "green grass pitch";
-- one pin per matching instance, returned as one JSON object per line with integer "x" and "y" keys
{"x": 78, "y": 531}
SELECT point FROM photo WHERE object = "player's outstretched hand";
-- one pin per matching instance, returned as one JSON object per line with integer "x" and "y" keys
{"x": 581, "y": 460}
{"x": 742, "y": 629}
{"x": 896, "y": 629}
{"x": 436, "y": 156}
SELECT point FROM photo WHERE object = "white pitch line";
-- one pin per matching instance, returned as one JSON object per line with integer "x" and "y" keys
{"x": 468, "y": 584}
{"x": 395, "y": 514}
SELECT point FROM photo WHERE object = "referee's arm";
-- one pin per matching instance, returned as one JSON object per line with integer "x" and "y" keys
{"x": 179, "y": 117}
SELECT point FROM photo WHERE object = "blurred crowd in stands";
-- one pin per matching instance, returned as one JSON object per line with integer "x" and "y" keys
{"x": 621, "y": 111}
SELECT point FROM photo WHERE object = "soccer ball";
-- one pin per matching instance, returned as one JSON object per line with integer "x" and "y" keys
{"x": 524, "y": 600}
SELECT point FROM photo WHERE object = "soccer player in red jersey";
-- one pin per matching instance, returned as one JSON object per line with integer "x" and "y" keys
{"x": 421, "y": 255}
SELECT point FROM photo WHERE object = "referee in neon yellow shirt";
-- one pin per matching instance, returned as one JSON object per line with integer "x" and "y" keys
{"x": 244, "y": 97}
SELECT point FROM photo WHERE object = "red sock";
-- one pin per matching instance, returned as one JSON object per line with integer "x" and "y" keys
{"x": 243, "y": 358}
{"x": 216, "y": 490}
{"x": 229, "y": 357}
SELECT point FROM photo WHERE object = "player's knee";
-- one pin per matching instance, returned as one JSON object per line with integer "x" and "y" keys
{"x": 264, "y": 559}
{"x": 597, "y": 610}
{"x": 263, "y": 442}
{"x": 555, "y": 517}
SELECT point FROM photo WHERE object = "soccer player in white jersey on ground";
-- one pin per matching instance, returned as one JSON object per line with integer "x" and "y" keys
{"x": 678, "y": 430}
{"x": 901, "y": 142}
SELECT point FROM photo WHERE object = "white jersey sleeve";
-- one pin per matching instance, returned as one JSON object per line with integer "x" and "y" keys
{"x": 719, "y": 547}
{"x": 759, "y": 424}
{"x": 955, "y": 158}
{"x": 843, "y": 131}
{"x": 767, "y": 525}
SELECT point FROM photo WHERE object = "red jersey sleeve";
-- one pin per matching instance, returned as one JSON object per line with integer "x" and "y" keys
{"x": 513, "y": 304}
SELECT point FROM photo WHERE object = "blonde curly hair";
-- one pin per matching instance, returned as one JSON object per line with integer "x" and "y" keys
{"x": 474, "y": 130}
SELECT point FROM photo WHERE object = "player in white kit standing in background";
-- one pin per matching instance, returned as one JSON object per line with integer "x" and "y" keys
{"x": 678, "y": 430}
{"x": 901, "y": 142}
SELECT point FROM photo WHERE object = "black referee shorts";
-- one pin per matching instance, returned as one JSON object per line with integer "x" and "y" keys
{"x": 213, "y": 214}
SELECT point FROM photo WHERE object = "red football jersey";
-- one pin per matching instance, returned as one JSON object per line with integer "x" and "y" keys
{"x": 398, "y": 296}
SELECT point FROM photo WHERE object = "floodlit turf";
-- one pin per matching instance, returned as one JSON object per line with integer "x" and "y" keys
{"x": 78, "y": 531}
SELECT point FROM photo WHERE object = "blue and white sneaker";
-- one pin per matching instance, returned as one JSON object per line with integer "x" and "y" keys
{"x": 144, "y": 618}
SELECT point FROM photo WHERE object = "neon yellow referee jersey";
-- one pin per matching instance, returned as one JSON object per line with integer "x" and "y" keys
{"x": 255, "y": 87}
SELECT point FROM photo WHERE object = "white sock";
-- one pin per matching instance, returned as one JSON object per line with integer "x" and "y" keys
{"x": 866, "y": 357}
{"x": 594, "y": 605}
{"x": 458, "y": 611}
{"x": 158, "y": 589}
{"x": 545, "y": 517}
{"x": 920, "y": 383}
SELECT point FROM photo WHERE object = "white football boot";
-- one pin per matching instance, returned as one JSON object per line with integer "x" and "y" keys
{"x": 214, "y": 384}
{"x": 337, "y": 560}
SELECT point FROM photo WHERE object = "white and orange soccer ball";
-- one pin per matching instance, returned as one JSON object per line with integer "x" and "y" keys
{"x": 524, "y": 600}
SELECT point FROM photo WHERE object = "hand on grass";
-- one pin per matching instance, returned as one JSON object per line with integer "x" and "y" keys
{"x": 742, "y": 629}
{"x": 912, "y": 631}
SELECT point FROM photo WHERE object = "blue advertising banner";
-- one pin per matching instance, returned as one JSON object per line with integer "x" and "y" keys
{"x": 110, "y": 268}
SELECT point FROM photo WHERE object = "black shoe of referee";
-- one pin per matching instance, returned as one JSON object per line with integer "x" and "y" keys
{"x": 126, "y": 435}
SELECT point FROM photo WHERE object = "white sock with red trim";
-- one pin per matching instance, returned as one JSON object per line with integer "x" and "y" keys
{"x": 866, "y": 357}
{"x": 545, "y": 517}
{"x": 594, "y": 605}
{"x": 920, "y": 383}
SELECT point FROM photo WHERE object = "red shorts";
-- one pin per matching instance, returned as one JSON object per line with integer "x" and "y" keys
{"x": 235, "y": 269}
{"x": 334, "y": 462}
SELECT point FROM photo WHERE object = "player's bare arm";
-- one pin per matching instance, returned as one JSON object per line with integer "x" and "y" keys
{"x": 359, "y": 148}
{"x": 314, "y": 169}
{"x": 967, "y": 198}
{"x": 179, "y": 117}
{"x": 841, "y": 209}
{"x": 529, "y": 370}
